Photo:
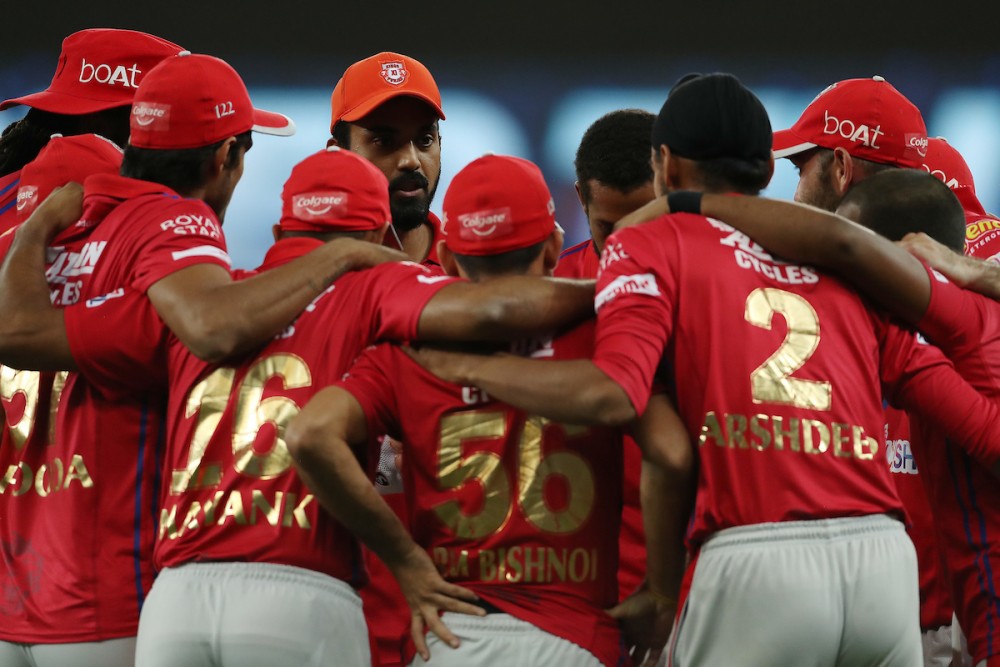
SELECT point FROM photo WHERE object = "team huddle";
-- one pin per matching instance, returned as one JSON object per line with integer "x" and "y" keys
{"x": 724, "y": 430}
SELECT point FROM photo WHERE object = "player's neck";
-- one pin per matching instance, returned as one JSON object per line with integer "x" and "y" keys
{"x": 416, "y": 243}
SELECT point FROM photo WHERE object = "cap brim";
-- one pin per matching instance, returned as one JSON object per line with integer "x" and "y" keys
{"x": 372, "y": 103}
{"x": 61, "y": 103}
{"x": 269, "y": 122}
{"x": 786, "y": 143}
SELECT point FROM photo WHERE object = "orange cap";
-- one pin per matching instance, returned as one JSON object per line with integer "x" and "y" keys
{"x": 371, "y": 82}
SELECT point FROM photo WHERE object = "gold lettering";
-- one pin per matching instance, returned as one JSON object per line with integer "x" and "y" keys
{"x": 259, "y": 502}
{"x": 535, "y": 468}
{"x": 841, "y": 440}
{"x": 736, "y": 425}
{"x": 25, "y": 384}
{"x": 44, "y": 487}
{"x": 487, "y": 565}
{"x": 582, "y": 558}
{"x": 26, "y": 478}
{"x": 515, "y": 573}
{"x": 190, "y": 521}
{"x": 301, "y": 519}
{"x": 710, "y": 428}
{"x": 865, "y": 448}
{"x": 534, "y": 568}
{"x": 234, "y": 508}
{"x": 78, "y": 471}
{"x": 168, "y": 523}
{"x": 792, "y": 433}
{"x": 763, "y": 435}
{"x": 207, "y": 400}
{"x": 501, "y": 564}
{"x": 807, "y": 435}
{"x": 461, "y": 569}
{"x": 556, "y": 564}
{"x": 440, "y": 558}
{"x": 210, "y": 506}
{"x": 8, "y": 478}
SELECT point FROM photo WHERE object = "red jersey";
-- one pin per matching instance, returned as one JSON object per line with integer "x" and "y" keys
{"x": 230, "y": 492}
{"x": 506, "y": 504}
{"x": 8, "y": 200}
{"x": 84, "y": 497}
{"x": 963, "y": 493}
{"x": 935, "y": 596}
{"x": 778, "y": 370}
{"x": 582, "y": 261}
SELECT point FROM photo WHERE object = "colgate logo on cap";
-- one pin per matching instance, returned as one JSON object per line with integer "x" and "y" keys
{"x": 319, "y": 204}
{"x": 26, "y": 195}
{"x": 917, "y": 142}
{"x": 151, "y": 116}
{"x": 394, "y": 72}
{"x": 480, "y": 224}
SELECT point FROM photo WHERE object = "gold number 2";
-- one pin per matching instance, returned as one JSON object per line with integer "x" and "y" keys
{"x": 455, "y": 470}
{"x": 771, "y": 382}
{"x": 208, "y": 399}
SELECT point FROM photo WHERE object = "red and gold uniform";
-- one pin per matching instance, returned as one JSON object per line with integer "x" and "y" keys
{"x": 582, "y": 261}
{"x": 509, "y": 505}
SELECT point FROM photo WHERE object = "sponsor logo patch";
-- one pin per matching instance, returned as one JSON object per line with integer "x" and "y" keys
{"x": 26, "y": 196}
{"x": 493, "y": 223}
{"x": 327, "y": 203}
{"x": 110, "y": 75}
{"x": 917, "y": 142}
{"x": 394, "y": 72}
{"x": 642, "y": 283}
{"x": 976, "y": 229}
{"x": 856, "y": 132}
{"x": 150, "y": 116}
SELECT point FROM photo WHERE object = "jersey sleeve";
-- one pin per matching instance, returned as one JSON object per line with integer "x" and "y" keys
{"x": 918, "y": 378}
{"x": 953, "y": 319}
{"x": 183, "y": 233}
{"x": 372, "y": 382}
{"x": 399, "y": 292}
{"x": 636, "y": 293}
{"x": 119, "y": 343}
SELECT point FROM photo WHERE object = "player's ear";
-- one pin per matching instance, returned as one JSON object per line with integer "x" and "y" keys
{"x": 552, "y": 249}
{"x": 579, "y": 195}
{"x": 379, "y": 234}
{"x": 843, "y": 171}
{"x": 331, "y": 142}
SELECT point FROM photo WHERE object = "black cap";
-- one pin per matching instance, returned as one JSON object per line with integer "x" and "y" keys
{"x": 708, "y": 116}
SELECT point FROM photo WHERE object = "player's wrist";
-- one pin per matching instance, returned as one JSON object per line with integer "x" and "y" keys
{"x": 684, "y": 201}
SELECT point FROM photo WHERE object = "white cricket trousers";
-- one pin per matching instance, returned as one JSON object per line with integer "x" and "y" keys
{"x": 823, "y": 593}
{"x": 501, "y": 640}
{"x": 108, "y": 653}
{"x": 250, "y": 615}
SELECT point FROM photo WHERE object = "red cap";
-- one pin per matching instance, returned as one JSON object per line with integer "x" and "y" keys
{"x": 370, "y": 82}
{"x": 335, "y": 191}
{"x": 62, "y": 160}
{"x": 98, "y": 69}
{"x": 866, "y": 117}
{"x": 190, "y": 101}
{"x": 946, "y": 164}
{"x": 496, "y": 204}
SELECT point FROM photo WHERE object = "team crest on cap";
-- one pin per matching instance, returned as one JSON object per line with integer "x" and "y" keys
{"x": 319, "y": 204}
{"x": 480, "y": 224}
{"x": 394, "y": 72}
{"x": 26, "y": 195}
{"x": 151, "y": 116}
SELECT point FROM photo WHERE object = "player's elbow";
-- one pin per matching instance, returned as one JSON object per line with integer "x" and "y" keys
{"x": 606, "y": 404}
{"x": 304, "y": 435}
{"x": 211, "y": 340}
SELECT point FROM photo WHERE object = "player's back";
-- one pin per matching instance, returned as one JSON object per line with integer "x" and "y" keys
{"x": 777, "y": 369}
{"x": 515, "y": 507}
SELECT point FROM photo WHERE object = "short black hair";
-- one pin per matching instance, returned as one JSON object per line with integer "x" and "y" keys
{"x": 342, "y": 134}
{"x": 513, "y": 262}
{"x": 745, "y": 176}
{"x": 896, "y": 202}
{"x": 181, "y": 170}
{"x": 615, "y": 151}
